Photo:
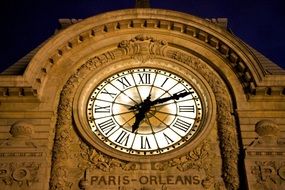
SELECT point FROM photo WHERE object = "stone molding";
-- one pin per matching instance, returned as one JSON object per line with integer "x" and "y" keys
{"x": 17, "y": 92}
{"x": 236, "y": 63}
{"x": 64, "y": 137}
{"x": 227, "y": 47}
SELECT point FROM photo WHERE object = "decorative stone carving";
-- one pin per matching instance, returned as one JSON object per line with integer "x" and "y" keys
{"x": 199, "y": 159}
{"x": 96, "y": 160}
{"x": 226, "y": 126}
{"x": 60, "y": 178}
{"x": 196, "y": 159}
{"x": 21, "y": 159}
{"x": 22, "y": 173}
{"x": 65, "y": 137}
{"x": 142, "y": 48}
{"x": 264, "y": 160}
{"x": 21, "y": 129}
{"x": 268, "y": 175}
{"x": 21, "y": 135}
{"x": 267, "y": 131}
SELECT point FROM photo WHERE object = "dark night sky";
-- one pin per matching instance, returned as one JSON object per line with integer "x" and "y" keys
{"x": 27, "y": 23}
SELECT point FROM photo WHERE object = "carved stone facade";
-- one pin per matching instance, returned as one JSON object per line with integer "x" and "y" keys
{"x": 141, "y": 48}
{"x": 240, "y": 145}
{"x": 264, "y": 160}
{"x": 22, "y": 161}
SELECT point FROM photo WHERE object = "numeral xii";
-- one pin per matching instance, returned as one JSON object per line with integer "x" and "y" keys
{"x": 144, "y": 78}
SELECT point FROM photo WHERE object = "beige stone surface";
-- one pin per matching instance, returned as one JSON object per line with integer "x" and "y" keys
{"x": 41, "y": 147}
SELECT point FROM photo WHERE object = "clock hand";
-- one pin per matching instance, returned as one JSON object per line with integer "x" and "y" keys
{"x": 175, "y": 96}
{"x": 145, "y": 106}
{"x": 142, "y": 108}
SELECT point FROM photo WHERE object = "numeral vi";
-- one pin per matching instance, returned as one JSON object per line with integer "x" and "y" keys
{"x": 144, "y": 143}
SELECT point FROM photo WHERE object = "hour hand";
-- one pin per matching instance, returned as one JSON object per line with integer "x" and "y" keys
{"x": 142, "y": 108}
{"x": 139, "y": 117}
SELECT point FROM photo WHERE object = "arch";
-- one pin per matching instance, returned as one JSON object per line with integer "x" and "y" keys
{"x": 90, "y": 33}
{"x": 131, "y": 50}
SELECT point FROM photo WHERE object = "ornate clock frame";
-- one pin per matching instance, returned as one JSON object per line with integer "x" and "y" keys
{"x": 146, "y": 51}
{"x": 91, "y": 80}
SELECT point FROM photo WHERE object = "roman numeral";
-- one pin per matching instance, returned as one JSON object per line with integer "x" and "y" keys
{"x": 186, "y": 109}
{"x": 107, "y": 126}
{"x": 124, "y": 82}
{"x": 123, "y": 138}
{"x": 102, "y": 109}
{"x": 181, "y": 125}
{"x": 168, "y": 139}
{"x": 164, "y": 82}
{"x": 144, "y": 143}
{"x": 144, "y": 78}
{"x": 104, "y": 91}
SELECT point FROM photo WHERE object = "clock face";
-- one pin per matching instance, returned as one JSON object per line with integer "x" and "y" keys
{"x": 144, "y": 111}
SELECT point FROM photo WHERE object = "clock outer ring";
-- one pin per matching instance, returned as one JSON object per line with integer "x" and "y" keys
{"x": 95, "y": 77}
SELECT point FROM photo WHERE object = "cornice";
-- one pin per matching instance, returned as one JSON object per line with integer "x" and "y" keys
{"x": 235, "y": 54}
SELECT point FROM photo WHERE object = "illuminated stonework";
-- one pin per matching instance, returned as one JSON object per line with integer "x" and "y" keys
{"x": 228, "y": 111}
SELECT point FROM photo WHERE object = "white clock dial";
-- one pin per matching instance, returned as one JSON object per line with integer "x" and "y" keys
{"x": 144, "y": 111}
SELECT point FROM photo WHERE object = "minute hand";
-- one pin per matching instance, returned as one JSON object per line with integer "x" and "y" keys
{"x": 175, "y": 96}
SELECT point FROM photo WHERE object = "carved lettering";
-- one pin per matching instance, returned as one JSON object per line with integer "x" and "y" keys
{"x": 114, "y": 180}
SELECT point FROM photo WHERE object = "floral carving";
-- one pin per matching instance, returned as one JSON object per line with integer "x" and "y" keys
{"x": 200, "y": 159}
{"x": 96, "y": 160}
{"x": 60, "y": 179}
{"x": 144, "y": 48}
{"x": 22, "y": 174}
{"x": 197, "y": 159}
{"x": 66, "y": 138}
{"x": 226, "y": 127}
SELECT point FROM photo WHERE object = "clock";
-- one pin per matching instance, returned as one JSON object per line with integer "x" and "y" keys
{"x": 144, "y": 111}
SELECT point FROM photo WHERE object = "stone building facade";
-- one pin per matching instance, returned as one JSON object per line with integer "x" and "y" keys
{"x": 46, "y": 141}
